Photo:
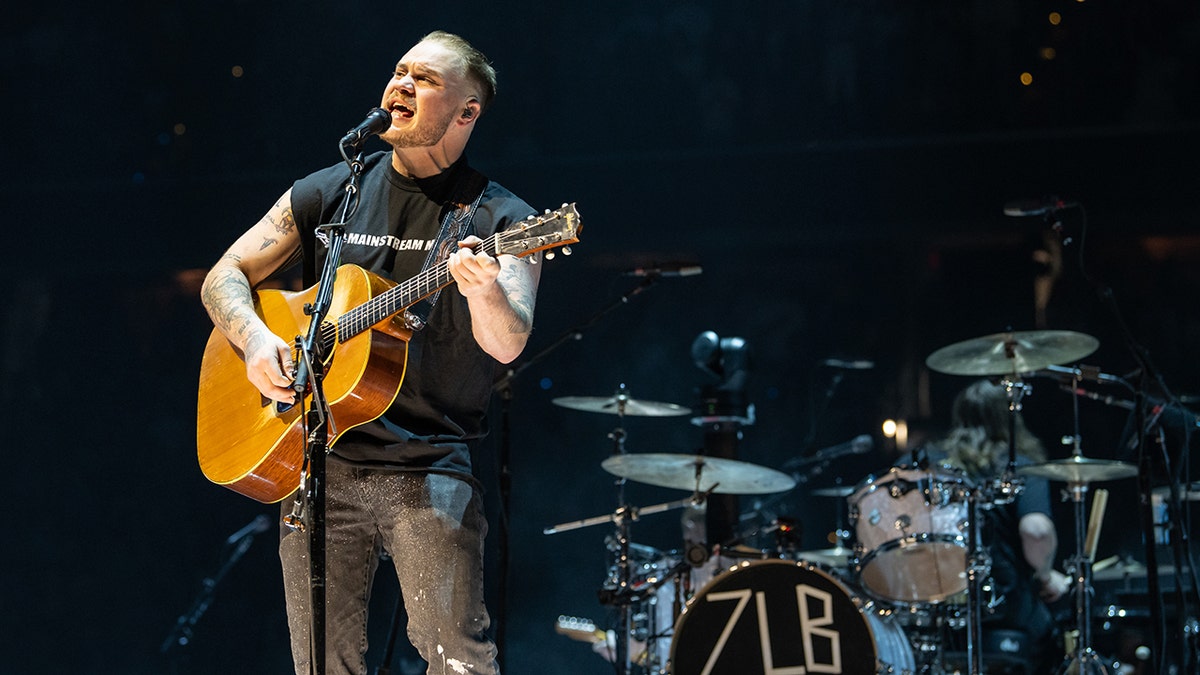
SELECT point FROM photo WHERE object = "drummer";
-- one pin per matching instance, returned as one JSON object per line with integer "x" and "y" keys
{"x": 1021, "y": 536}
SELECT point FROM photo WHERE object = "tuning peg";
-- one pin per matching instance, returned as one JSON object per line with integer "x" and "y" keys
{"x": 549, "y": 255}
{"x": 566, "y": 250}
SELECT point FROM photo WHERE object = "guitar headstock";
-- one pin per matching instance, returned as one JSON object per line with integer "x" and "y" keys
{"x": 539, "y": 233}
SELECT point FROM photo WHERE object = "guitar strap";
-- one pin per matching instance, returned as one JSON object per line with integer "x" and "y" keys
{"x": 457, "y": 224}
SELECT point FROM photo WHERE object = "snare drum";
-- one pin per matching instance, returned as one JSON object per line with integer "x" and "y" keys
{"x": 911, "y": 525}
{"x": 781, "y": 616}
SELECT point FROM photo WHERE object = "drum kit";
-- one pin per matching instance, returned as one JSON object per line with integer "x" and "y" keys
{"x": 916, "y": 564}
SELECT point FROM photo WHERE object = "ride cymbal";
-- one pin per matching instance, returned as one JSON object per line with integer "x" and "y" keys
{"x": 696, "y": 472}
{"x": 1012, "y": 353}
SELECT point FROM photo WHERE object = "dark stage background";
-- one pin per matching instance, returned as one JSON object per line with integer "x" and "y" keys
{"x": 838, "y": 169}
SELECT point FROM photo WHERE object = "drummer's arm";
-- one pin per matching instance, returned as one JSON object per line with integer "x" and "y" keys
{"x": 1039, "y": 542}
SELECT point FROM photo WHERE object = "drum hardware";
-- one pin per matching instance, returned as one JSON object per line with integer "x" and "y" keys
{"x": 622, "y": 593}
{"x": 840, "y": 555}
{"x": 1007, "y": 355}
{"x": 1078, "y": 472}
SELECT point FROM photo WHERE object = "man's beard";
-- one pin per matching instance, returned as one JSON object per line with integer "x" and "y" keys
{"x": 423, "y": 135}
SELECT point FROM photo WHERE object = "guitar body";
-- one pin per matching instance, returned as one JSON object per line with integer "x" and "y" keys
{"x": 243, "y": 441}
{"x": 246, "y": 443}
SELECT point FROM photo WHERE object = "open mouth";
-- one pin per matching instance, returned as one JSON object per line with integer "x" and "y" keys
{"x": 402, "y": 110}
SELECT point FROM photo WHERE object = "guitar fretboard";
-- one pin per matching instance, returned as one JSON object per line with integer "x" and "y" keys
{"x": 397, "y": 298}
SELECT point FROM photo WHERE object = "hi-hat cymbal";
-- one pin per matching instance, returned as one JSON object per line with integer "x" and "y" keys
{"x": 1012, "y": 353}
{"x": 730, "y": 476}
{"x": 1080, "y": 470}
{"x": 621, "y": 405}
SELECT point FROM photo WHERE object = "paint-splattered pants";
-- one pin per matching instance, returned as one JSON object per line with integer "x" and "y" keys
{"x": 432, "y": 526}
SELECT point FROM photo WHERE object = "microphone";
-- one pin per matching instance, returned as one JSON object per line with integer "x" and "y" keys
{"x": 1082, "y": 372}
{"x": 854, "y": 364}
{"x": 859, "y": 445}
{"x": 1036, "y": 207}
{"x": 378, "y": 121}
{"x": 256, "y": 526}
{"x": 665, "y": 270}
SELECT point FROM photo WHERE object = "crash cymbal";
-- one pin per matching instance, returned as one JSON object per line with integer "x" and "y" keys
{"x": 1076, "y": 469}
{"x": 1012, "y": 353}
{"x": 838, "y": 556}
{"x": 730, "y": 476}
{"x": 835, "y": 491}
{"x": 621, "y": 405}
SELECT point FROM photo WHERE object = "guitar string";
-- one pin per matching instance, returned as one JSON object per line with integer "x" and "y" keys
{"x": 400, "y": 296}
{"x": 395, "y": 298}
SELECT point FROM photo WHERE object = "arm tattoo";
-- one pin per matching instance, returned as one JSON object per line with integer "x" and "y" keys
{"x": 285, "y": 223}
{"x": 228, "y": 301}
{"x": 520, "y": 298}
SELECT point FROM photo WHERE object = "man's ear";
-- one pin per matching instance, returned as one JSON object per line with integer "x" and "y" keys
{"x": 471, "y": 110}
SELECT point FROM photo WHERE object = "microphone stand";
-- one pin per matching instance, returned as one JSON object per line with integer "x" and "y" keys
{"x": 309, "y": 511}
{"x": 181, "y": 633}
{"x": 505, "y": 388}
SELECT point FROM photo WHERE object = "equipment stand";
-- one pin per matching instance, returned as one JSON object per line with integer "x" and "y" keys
{"x": 308, "y": 514}
{"x": 1085, "y": 661}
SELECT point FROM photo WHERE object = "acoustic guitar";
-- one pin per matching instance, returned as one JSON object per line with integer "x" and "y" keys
{"x": 255, "y": 446}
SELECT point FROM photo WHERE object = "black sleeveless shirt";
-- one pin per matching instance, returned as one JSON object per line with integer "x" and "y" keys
{"x": 443, "y": 399}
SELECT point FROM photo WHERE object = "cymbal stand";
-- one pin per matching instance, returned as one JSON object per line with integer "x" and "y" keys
{"x": 979, "y": 563}
{"x": 1085, "y": 661}
{"x": 623, "y": 516}
{"x": 1001, "y": 491}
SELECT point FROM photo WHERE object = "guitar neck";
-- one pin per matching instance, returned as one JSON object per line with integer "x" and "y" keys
{"x": 402, "y": 296}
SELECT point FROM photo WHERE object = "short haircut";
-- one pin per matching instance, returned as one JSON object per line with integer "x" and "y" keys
{"x": 479, "y": 68}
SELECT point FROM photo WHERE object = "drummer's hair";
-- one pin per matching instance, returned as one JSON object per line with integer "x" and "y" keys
{"x": 978, "y": 441}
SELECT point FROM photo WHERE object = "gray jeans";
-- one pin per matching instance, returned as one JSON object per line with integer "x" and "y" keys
{"x": 432, "y": 526}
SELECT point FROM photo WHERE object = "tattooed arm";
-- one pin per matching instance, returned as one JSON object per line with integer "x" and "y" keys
{"x": 266, "y": 247}
{"x": 500, "y": 293}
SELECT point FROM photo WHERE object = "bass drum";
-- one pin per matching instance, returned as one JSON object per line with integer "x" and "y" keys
{"x": 788, "y": 618}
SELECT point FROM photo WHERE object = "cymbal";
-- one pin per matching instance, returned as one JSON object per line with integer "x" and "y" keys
{"x": 621, "y": 405}
{"x": 1080, "y": 470}
{"x": 838, "y": 556}
{"x": 730, "y": 476}
{"x": 835, "y": 491}
{"x": 1011, "y": 353}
